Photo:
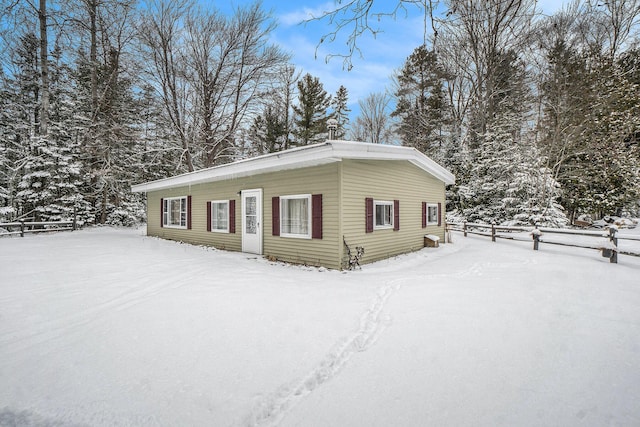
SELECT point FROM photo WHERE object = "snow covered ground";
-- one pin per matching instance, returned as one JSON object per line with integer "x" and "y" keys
{"x": 107, "y": 327}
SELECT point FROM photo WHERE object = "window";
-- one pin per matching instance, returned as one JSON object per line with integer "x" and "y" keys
{"x": 383, "y": 214}
{"x": 295, "y": 216}
{"x": 174, "y": 212}
{"x": 432, "y": 214}
{"x": 220, "y": 216}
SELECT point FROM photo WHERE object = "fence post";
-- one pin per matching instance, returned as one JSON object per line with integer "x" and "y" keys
{"x": 614, "y": 250}
{"x": 74, "y": 218}
{"x": 493, "y": 232}
{"x": 464, "y": 228}
{"x": 22, "y": 228}
{"x": 536, "y": 239}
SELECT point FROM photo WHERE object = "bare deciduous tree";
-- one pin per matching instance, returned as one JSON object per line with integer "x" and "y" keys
{"x": 161, "y": 34}
{"x": 487, "y": 31}
{"x": 211, "y": 71}
{"x": 359, "y": 17}
{"x": 374, "y": 122}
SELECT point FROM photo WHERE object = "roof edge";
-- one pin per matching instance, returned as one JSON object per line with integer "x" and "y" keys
{"x": 309, "y": 155}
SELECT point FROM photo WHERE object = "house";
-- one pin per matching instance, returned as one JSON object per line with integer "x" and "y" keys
{"x": 301, "y": 205}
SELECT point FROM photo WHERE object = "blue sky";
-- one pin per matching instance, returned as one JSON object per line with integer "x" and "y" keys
{"x": 381, "y": 56}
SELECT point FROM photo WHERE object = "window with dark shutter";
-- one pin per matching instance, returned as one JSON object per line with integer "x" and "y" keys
{"x": 396, "y": 215}
{"x": 188, "y": 212}
{"x": 232, "y": 216}
{"x": 368, "y": 203}
{"x": 424, "y": 214}
{"x": 208, "y": 216}
{"x": 175, "y": 212}
{"x": 316, "y": 216}
{"x": 439, "y": 214}
{"x": 275, "y": 216}
{"x": 161, "y": 212}
{"x": 433, "y": 214}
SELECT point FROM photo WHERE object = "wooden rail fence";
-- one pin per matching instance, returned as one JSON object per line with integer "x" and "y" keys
{"x": 609, "y": 249}
{"x": 22, "y": 227}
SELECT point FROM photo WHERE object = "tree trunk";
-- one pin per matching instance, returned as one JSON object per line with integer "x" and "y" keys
{"x": 44, "y": 68}
{"x": 93, "y": 53}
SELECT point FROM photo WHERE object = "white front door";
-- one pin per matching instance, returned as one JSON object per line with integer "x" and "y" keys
{"x": 252, "y": 221}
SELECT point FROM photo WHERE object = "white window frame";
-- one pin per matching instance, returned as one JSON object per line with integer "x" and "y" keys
{"x": 166, "y": 212}
{"x": 283, "y": 201}
{"x": 385, "y": 203}
{"x": 213, "y": 216}
{"x": 429, "y": 207}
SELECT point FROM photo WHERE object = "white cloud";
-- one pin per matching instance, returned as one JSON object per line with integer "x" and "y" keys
{"x": 297, "y": 16}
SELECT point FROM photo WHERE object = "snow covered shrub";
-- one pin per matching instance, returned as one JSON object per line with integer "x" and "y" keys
{"x": 455, "y": 217}
{"x": 7, "y": 213}
{"x": 129, "y": 214}
{"x": 510, "y": 184}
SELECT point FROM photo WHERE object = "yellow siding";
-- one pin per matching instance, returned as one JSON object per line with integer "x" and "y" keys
{"x": 344, "y": 187}
{"x": 388, "y": 181}
{"x": 314, "y": 180}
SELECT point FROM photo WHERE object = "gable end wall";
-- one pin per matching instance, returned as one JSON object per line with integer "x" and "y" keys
{"x": 388, "y": 181}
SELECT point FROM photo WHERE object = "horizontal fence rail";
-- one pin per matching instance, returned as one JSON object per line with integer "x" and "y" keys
{"x": 609, "y": 246}
{"x": 22, "y": 227}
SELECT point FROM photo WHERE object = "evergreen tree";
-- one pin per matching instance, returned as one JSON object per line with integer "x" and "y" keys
{"x": 268, "y": 132}
{"x": 35, "y": 156}
{"x": 109, "y": 141}
{"x": 64, "y": 183}
{"x": 310, "y": 114}
{"x": 421, "y": 105}
{"x": 341, "y": 111}
{"x": 509, "y": 183}
{"x": 610, "y": 168}
{"x": 590, "y": 115}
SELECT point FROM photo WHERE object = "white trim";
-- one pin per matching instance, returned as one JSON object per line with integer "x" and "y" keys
{"x": 309, "y": 224}
{"x": 433, "y": 205}
{"x": 219, "y": 230}
{"x": 166, "y": 209}
{"x": 377, "y": 203}
{"x": 310, "y": 155}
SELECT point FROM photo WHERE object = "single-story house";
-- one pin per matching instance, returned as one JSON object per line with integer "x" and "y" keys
{"x": 306, "y": 204}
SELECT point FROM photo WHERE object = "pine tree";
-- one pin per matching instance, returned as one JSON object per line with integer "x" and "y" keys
{"x": 610, "y": 169}
{"x": 341, "y": 111}
{"x": 268, "y": 132}
{"x": 11, "y": 148}
{"x": 33, "y": 167}
{"x": 64, "y": 183}
{"x": 310, "y": 115}
{"x": 509, "y": 183}
{"x": 590, "y": 115}
{"x": 421, "y": 105}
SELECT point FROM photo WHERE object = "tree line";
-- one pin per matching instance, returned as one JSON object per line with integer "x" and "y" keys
{"x": 536, "y": 115}
{"x": 96, "y": 95}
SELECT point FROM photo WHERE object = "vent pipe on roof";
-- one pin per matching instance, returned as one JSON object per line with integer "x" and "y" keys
{"x": 332, "y": 124}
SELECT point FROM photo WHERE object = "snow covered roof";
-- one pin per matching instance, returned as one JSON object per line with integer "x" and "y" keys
{"x": 309, "y": 155}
